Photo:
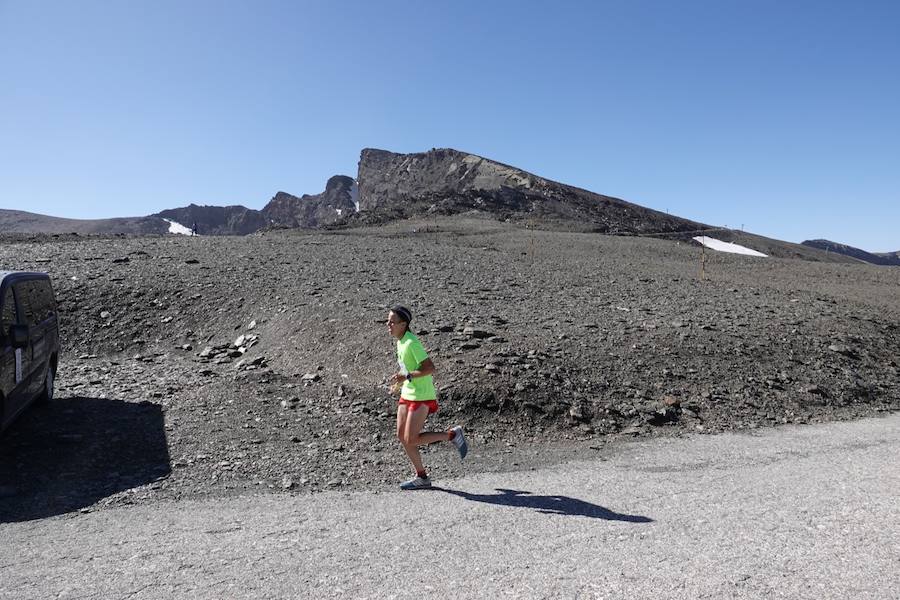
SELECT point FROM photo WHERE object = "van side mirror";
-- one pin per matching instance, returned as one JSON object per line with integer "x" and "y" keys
{"x": 19, "y": 336}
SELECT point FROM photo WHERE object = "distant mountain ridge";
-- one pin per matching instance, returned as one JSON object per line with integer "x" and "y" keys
{"x": 890, "y": 258}
{"x": 394, "y": 186}
{"x": 19, "y": 221}
{"x": 390, "y": 186}
{"x": 283, "y": 210}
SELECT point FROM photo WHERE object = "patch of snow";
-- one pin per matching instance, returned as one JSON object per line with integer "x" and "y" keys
{"x": 721, "y": 246}
{"x": 339, "y": 211}
{"x": 354, "y": 194}
{"x": 175, "y": 227}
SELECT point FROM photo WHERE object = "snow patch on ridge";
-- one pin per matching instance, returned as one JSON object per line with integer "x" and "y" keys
{"x": 175, "y": 227}
{"x": 721, "y": 246}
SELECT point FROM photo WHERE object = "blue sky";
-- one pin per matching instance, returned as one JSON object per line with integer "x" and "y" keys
{"x": 781, "y": 116}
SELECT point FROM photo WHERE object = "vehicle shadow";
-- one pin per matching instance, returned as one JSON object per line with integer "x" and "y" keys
{"x": 68, "y": 455}
{"x": 551, "y": 505}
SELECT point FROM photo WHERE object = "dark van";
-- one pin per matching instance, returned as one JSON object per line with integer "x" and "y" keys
{"x": 29, "y": 342}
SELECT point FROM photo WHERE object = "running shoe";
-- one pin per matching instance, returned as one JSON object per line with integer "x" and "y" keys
{"x": 459, "y": 440}
{"x": 416, "y": 483}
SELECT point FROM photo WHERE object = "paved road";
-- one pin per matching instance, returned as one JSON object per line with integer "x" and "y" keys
{"x": 807, "y": 512}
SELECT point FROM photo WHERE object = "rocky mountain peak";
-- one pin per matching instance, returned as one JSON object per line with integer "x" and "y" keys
{"x": 284, "y": 197}
{"x": 448, "y": 181}
{"x": 384, "y": 175}
{"x": 339, "y": 183}
{"x": 310, "y": 211}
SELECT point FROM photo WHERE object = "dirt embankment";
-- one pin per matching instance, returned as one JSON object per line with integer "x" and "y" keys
{"x": 256, "y": 363}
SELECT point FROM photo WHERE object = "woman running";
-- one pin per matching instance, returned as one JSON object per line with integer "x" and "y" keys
{"x": 418, "y": 398}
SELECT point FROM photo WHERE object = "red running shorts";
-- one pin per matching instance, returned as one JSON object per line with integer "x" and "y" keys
{"x": 412, "y": 405}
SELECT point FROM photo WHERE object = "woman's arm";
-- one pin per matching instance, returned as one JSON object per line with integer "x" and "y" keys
{"x": 426, "y": 367}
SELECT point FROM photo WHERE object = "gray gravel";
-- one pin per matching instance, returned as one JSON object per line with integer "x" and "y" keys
{"x": 218, "y": 366}
{"x": 791, "y": 512}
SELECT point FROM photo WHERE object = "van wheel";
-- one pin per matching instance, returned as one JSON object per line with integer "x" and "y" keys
{"x": 49, "y": 380}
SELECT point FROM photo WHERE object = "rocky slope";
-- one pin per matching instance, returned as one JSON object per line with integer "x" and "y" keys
{"x": 308, "y": 211}
{"x": 447, "y": 181}
{"x": 22, "y": 222}
{"x": 444, "y": 182}
{"x": 259, "y": 362}
{"x": 862, "y": 255}
{"x": 892, "y": 257}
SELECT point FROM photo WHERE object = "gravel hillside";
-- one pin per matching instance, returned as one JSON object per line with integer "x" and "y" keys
{"x": 215, "y": 365}
{"x": 888, "y": 258}
{"x": 21, "y": 222}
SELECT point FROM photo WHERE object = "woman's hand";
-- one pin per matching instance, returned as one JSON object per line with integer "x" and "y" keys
{"x": 398, "y": 378}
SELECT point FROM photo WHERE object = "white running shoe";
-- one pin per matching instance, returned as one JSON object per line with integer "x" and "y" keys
{"x": 459, "y": 440}
{"x": 416, "y": 483}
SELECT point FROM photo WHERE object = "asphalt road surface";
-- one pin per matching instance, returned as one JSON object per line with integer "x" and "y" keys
{"x": 793, "y": 512}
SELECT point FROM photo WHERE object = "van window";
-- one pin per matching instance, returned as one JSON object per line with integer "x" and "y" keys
{"x": 35, "y": 300}
{"x": 7, "y": 312}
{"x": 24, "y": 295}
{"x": 42, "y": 300}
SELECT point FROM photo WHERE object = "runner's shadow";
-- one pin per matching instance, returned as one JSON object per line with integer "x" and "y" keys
{"x": 549, "y": 505}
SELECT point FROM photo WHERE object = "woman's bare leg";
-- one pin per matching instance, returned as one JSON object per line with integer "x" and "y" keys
{"x": 415, "y": 422}
{"x": 403, "y": 419}
{"x": 413, "y": 436}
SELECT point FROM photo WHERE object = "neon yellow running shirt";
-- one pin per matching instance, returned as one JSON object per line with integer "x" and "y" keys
{"x": 410, "y": 354}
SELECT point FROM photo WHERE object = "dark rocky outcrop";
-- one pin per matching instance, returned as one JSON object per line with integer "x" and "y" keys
{"x": 892, "y": 257}
{"x": 845, "y": 250}
{"x": 283, "y": 210}
{"x": 311, "y": 211}
{"x": 217, "y": 220}
{"x": 446, "y": 181}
